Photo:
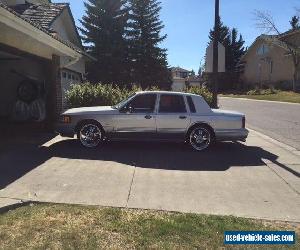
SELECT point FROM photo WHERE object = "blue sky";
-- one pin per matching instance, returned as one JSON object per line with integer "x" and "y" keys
{"x": 187, "y": 23}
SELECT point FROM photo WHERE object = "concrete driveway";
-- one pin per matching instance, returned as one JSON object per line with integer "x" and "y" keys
{"x": 258, "y": 179}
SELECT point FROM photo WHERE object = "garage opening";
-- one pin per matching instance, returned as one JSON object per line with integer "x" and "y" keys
{"x": 24, "y": 90}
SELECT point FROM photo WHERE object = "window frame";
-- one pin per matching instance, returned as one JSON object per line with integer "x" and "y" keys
{"x": 193, "y": 110}
{"x": 171, "y": 113}
{"x": 125, "y": 106}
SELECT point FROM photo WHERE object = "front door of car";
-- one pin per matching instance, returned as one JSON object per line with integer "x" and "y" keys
{"x": 172, "y": 119}
{"x": 137, "y": 118}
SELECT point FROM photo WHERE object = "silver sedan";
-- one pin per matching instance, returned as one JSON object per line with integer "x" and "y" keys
{"x": 154, "y": 115}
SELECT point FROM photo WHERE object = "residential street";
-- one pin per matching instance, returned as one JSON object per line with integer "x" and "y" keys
{"x": 280, "y": 121}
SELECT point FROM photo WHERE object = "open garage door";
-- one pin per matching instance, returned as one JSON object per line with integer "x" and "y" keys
{"x": 23, "y": 87}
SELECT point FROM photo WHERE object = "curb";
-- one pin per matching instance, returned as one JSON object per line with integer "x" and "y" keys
{"x": 254, "y": 100}
{"x": 276, "y": 142}
{"x": 13, "y": 206}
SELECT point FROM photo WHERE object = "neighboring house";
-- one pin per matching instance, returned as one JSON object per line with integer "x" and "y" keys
{"x": 182, "y": 78}
{"x": 268, "y": 60}
{"x": 41, "y": 54}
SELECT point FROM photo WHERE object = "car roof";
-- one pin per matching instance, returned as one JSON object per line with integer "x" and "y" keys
{"x": 165, "y": 92}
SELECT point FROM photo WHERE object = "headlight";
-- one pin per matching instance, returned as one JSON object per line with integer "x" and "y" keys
{"x": 65, "y": 119}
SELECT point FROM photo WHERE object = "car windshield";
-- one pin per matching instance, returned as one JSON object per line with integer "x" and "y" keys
{"x": 122, "y": 103}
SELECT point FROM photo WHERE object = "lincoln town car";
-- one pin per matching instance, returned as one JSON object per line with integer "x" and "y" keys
{"x": 154, "y": 115}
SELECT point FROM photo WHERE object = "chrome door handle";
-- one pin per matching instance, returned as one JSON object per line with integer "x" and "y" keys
{"x": 148, "y": 117}
{"x": 182, "y": 117}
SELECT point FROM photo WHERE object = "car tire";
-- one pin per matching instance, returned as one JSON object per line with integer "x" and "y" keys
{"x": 200, "y": 138}
{"x": 90, "y": 134}
{"x": 27, "y": 91}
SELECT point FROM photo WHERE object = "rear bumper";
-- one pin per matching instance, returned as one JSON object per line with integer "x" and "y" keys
{"x": 232, "y": 135}
{"x": 65, "y": 130}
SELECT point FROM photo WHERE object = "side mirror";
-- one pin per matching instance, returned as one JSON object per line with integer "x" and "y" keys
{"x": 127, "y": 109}
{"x": 130, "y": 109}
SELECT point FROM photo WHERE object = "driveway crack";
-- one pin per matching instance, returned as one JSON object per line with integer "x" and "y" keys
{"x": 131, "y": 184}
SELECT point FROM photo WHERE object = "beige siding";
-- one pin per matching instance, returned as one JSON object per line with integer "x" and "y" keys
{"x": 271, "y": 67}
{"x": 64, "y": 26}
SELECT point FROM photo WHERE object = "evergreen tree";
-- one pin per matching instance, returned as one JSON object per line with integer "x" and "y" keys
{"x": 295, "y": 22}
{"x": 234, "y": 47}
{"x": 149, "y": 61}
{"x": 105, "y": 26}
{"x": 224, "y": 34}
{"x": 235, "y": 50}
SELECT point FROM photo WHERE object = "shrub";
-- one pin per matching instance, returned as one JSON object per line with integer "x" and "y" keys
{"x": 257, "y": 91}
{"x": 204, "y": 92}
{"x": 88, "y": 95}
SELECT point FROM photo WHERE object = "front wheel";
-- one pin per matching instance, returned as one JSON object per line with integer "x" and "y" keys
{"x": 90, "y": 135}
{"x": 200, "y": 138}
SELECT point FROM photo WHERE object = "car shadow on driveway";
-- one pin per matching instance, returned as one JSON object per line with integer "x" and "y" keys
{"x": 17, "y": 161}
{"x": 167, "y": 156}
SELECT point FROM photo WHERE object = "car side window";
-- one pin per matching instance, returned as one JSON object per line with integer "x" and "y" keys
{"x": 172, "y": 104}
{"x": 143, "y": 103}
{"x": 191, "y": 104}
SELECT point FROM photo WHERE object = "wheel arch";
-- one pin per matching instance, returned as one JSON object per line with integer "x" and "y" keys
{"x": 201, "y": 124}
{"x": 85, "y": 121}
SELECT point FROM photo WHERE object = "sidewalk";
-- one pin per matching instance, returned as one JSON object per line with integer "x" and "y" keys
{"x": 256, "y": 179}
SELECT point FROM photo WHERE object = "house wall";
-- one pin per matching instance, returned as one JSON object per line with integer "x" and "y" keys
{"x": 64, "y": 26}
{"x": 195, "y": 84}
{"x": 178, "y": 84}
{"x": 74, "y": 71}
{"x": 274, "y": 66}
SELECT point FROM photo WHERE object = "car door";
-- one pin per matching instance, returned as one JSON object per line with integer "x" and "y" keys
{"x": 137, "y": 118}
{"x": 172, "y": 119}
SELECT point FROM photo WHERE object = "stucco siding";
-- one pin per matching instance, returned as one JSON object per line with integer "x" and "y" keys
{"x": 271, "y": 67}
{"x": 64, "y": 27}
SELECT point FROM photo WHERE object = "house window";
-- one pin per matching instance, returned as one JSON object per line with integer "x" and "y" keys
{"x": 263, "y": 49}
{"x": 69, "y": 76}
{"x": 183, "y": 75}
{"x": 64, "y": 75}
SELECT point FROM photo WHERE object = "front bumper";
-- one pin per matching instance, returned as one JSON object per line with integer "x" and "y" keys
{"x": 232, "y": 135}
{"x": 65, "y": 130}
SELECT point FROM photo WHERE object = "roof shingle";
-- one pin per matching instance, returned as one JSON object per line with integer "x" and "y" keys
{"x": 42, "y": 14}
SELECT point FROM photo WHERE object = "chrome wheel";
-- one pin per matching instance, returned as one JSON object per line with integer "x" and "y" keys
{"x": 90, "y": 135}
{"x": 200, "y": 138}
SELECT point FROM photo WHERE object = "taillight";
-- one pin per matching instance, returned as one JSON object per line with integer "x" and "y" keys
{"x": 244, "y": 122}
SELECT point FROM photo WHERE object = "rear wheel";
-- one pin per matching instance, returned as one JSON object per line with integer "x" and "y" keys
{"x": 90, "y": 134}
{"x": 200, "y": 138}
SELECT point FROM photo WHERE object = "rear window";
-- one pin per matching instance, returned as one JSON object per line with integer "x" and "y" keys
{"x": 172, "y": 104}
{"x": 191, "y": 104}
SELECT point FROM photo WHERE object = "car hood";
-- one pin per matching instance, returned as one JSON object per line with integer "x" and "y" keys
{"x": 91, "y": 110}
{"x": 226, "y": 112}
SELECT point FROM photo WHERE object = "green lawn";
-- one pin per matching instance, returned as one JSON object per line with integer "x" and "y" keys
{"x": 281, "y": 96}
{"x": 83, "y": 227}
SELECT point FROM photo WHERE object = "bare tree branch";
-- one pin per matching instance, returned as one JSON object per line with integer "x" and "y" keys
{"x": 265, "y": 22}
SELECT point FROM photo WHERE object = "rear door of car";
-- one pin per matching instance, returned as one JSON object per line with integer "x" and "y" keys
{"x": 172, "y": 118}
